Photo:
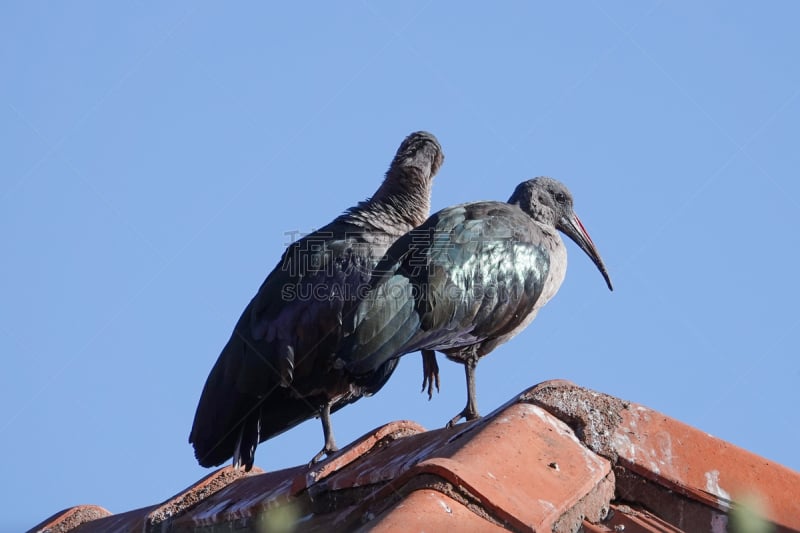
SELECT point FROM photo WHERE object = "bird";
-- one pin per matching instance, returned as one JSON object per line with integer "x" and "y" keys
{"x": 467, "y": 280}
{"x": 277, "y": 370}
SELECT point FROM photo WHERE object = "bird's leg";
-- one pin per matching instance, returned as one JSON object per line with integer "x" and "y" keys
{"x": 470, "y": 412}
{"x": 327, "y": 430}
{"x": 430, "y": 371}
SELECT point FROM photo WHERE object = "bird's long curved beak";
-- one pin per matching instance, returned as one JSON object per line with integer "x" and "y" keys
{"x": 571, "y": 225}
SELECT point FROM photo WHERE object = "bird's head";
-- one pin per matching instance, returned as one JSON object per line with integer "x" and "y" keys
{"x": 421, "y": 150}
{"x": 549, "y": 202}
{"x": 409, "y": 180}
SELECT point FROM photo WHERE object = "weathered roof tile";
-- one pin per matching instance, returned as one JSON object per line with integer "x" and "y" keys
{"x": 69, "y": 519}
{"x": 430, "y": 510}
{"x": 557, "y": 457}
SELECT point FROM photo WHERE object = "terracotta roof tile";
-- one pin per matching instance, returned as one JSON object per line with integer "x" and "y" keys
{"x": 69, "y": 519}
{"x": 476, "y": 463}
{"x": 244, "y": 499}
{"x": 705, "y": 468}
{"x": 624, "y": 518}
{"x": 656, "y": 455}
{"x": 149, "y": 517}
{"x": 557, "y": 457}
{"x": 431, "y": 510}
{"x": 195, "y": 494}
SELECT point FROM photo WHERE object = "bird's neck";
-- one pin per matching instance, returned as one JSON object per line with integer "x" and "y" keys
{"x": 558, "y": 264}
{"x": 399, "y": 205}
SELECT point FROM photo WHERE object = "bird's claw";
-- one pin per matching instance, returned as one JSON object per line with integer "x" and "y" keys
{"x": 430, "y": 381}
{"x": 467, "y": 414}
{"x": 430, "y": 372}
{"x": 325, "y": 452}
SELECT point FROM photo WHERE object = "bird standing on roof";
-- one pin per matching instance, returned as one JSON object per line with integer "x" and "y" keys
{"x": 466, "y": 281}
{"x": 277, "y": 369}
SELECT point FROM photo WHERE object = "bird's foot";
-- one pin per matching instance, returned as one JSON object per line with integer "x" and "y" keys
{"x": 326, "y": 452}
{"x": 467, "y": 414}
{"x": 430, "y": 372}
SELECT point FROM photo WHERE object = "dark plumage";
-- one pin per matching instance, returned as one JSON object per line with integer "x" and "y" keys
{"x": 467, "y": 280}
{"x": 277, "y": 369}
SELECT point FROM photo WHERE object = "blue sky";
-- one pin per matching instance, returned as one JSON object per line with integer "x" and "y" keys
{"x": 156, "y": 157}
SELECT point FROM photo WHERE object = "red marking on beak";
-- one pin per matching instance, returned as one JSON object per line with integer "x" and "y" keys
{"x": 583, "y": 230}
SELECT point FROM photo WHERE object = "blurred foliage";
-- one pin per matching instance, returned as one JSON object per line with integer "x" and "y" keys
{"x": 747, "y": 516}
{"x": 280, "y": 519}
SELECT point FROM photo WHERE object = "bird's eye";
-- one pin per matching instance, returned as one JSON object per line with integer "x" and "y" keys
{"x": 561, "y": 197}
